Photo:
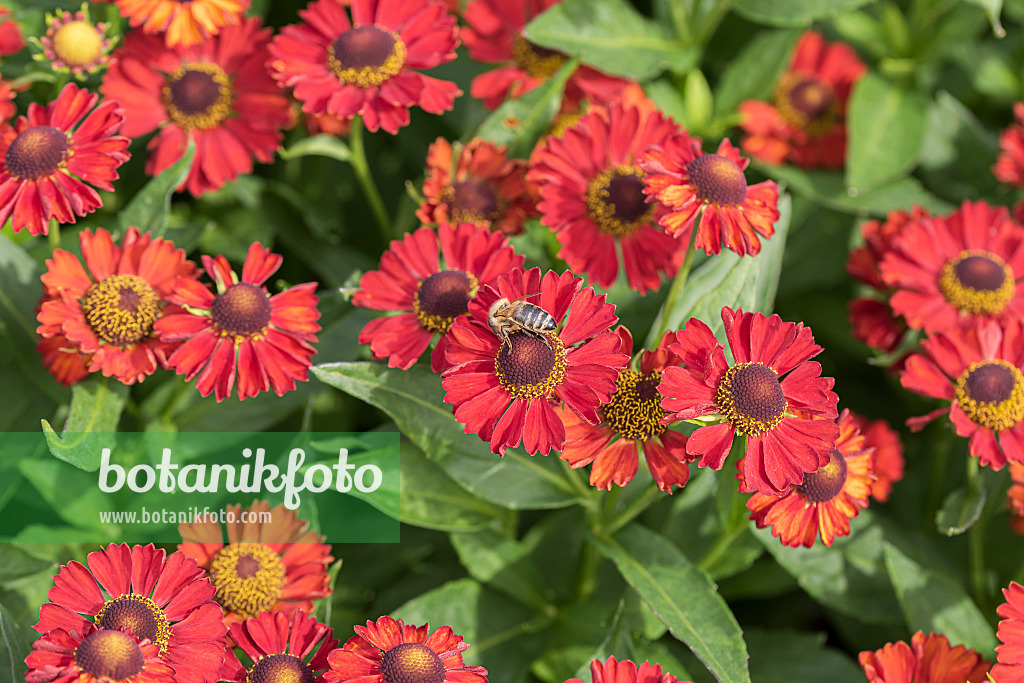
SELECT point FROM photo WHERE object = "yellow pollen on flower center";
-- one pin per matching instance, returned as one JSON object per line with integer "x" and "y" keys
{"x": 634, "y": 411}
{"x": 248, "y": 578}
{"x": 198, "y": 96}
{"x": 825, "y": 483}
{"x": 443, "y": 297}
{"x": 121, "y": 309}
{"x": 109, "y": 655}
{"x": 750, "y": 397}
{"x": 472, "y": 201}
{"x": 242, "y": 311}
{"x": 616, "y": 201}
{"x": 138, "y": 615}
{"x": 366, "y": 56}
{"x": 280, "y": 668}
{"x": 977, "y": 282}
{"x": 536, "y": 61}
{"x": 718, "y": 180}
{"x": 527, "y": 367}
{"x": 991, "y": 394}
{"x": 412, "y": 663}
{"x": 37, "y": 151}
{"x": 77, "y": 43}
{"x": 807, "y": 103}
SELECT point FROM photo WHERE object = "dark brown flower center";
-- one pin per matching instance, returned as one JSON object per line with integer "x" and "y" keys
{"x": 137, "y": 614}
{"x": 977, "y": 282}
{"x": 472, "y": 201}
{"x": 826, "y": 482}
{"x": 718, "y": 180}
{"x": 634, "y": 411}
{"x": 750, "y": 397}
{"x": 528, "y": 366}
{"x": 807, "y": 103}
{"x": 121, "y": 309}
{"x": 110, "y": 656}
{"x": 36, "y": 152}
{"x": 198, "y": 96}
{"x": 78, "y": 44}
{"x": 536, "y": 61}
{"x": 443, "y": 297}
{"x": 366, "y": 56}
{"x": 243, "y": 310}
{"x": 616, "y": 201}
{"x": 991, "y": 393}
{"x": 411, "y": 663}
{"x": 248, "y": 578}
{"x": 280, "y": 668}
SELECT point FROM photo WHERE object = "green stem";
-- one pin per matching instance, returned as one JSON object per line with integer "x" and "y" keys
{"x": 365, "y": 177}
{"x": 586, "y": 579}
{"x": 677, "y": 289}
{"x": 53, "y": 235}
{"x": 976, "y": 540}
{"x": 716, "y": 551}
{"x": 634, "y": 509}
{"x": 167, "y": 414}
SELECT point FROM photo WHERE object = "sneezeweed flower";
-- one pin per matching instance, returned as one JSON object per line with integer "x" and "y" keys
{"x": 182, "y": 23}
{"x": 956, "y": 270}
{"x": 74, "y": 44}
{"x": 95, "y": 656}
{"x": 216, "y": 93}
{"x": 630, "y": 421}
{"x": 65, "y": 363}
{"x": 106, "y": 309}
{"x": 476, "y": 183}
{"x": 503, "y": 389}
{"x": 164, "y": 599}
{"x": 369, "y": 66}
{"x": 53, "y": 156}
{"x": 712, "y": 186}
{"x": 241, "y": 331}
{"x": 276, "y": 566}
{"x": 927, "y": 659}
{"x": 827, "y": 498}
{"x": 1009, "y": 666}
{"x": 613, "y": 671}
{"x": 806, "y": 124}
{"x": 592, "y": 196}
{"x": 888, "y": 460}
{"x": 1009, "y": 166}
{"x": 1015, "y": 497}
{"x": 977, "y": 369}
{"x": 390, "y": 651}
{"x": 773, "y": 394}
{"x": 11, "y": 39}
{"x": 280, "y": 647}
{"x": 429, "y": 297}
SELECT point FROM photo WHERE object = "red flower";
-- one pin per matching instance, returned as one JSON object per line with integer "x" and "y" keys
{"x": 976, "y": 369}
{"x": 216, "y": 93}
{"x": 494, "y": 35}
{"x": 1009, "y": 667}
{"x": 11, "y": 40}
{"x": 873, "y": 323}
{"x": 51, "y": 157}
{"x": 95, "y": 656}
{"x": 956, "y": 270}
{"x": 807, "y": 123}
{"x": 827, "y": 499}
{"x": 106, "y": 310}
{"x": 370, "y": 66}
{"x": 281, "y": 647}
{"x": 592, "y": 196}
{"x": 888, "y": 454}
{"x": 772, "y": 379}
{"x": 183, "y": 23}
{"x": 276, "y": 566}
{"x": 689, "y": 182}
{"x": 165, "y": 599}
{"x": 389, "y": 651}
{"x": 631, "y": 420}
{"x": 411, "y": 279}
{"x": 62, "y": 360}
{"x": 577, "y": 364}
{"x": 928, "y": 659}
{"x": 266, "y": 341}
{"x": 488, "y": 189}
{"x": 626, "y": 671}
{"x": 1015, "y": 497}
{"x": 74, "y": 44}
{"x": 1009, "y": 167}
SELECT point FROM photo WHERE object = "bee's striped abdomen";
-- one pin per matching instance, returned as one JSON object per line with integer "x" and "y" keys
{"x": 535, "y": 318}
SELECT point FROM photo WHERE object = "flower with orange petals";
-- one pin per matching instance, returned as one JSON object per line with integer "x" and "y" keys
{"x": 888, "y": 454}
{"x": 592, "y": 196}
{"x": 217, "y": 94}
{"x": 370, "y": 65}
{"x": 928, "y": 659}
{"x": 52, "y": 156}
{"x": 277, "y": 566}
{"x": 280, "y": 647}
{"x": 96, "y": 656}
{"x": 1015, "y": 497}
{"x": 241, "y": 331}
{"x": 162, "y": 599}
{"x": 105, "y": 310}
{"x": 74, "y": 44}
{"x": 691, "y": 183}
{"x": 1009, "y": 666}
{"x": 773, "y": 394}
{"x": 476, "y": 183}
{"x": 630, "y": 421}
{"x": 827, "y": 499}
{"x": 1009, "y": 166}
{"x": 62, "y": 360}
{"x": 806, "y": 125}
{"x": 183, "y": 23}
{"x": 613, "y": 671}
{"x": 502, "y": 388}
{"x": 411, "y": 279}
{"x": 388, "y": 650}
{"x": 978, "y": 370}
{"x": 11, "y": 39}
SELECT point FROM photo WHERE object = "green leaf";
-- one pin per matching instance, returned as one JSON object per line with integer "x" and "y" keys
{"x": 16, "y": 563}
{"x": 414, "y": 399}
{"x": 96, "y": 405}
{"x": 15, "y": 644}
{"x": 148, "y": 209}
{"x": 682, "y": 596}
{"x": 993, "y": 8}
{"x": 797, "y": 657}
{"x": 318, "y": 145}
{"x": 935, "y": 602}
{"x": 960, "y": 510}
{"x": 611, "y": 36}
{"x": 887, "y": 126}
{"x": 55, "y": 483}
{"x": 502, "y": 563}
{"x": 752, "y": 73}
{"x": 793, "y": 12}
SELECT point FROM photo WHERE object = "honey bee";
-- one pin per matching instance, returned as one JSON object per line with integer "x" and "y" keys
{"x": 506, "y": 317}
